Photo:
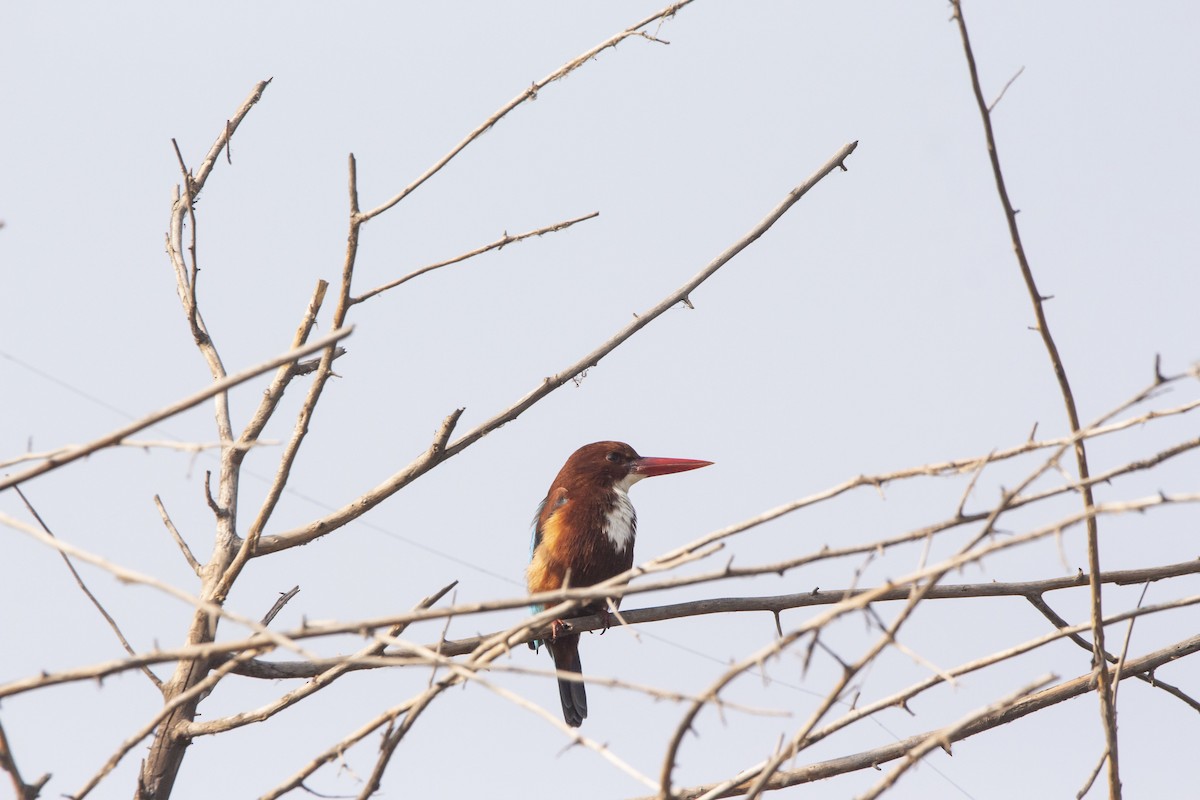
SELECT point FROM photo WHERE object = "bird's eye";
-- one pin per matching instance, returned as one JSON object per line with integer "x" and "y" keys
{"x": 613, "y": 457}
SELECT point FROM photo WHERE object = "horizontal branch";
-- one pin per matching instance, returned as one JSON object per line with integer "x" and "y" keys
{"x": 772, "y": 604}
{"x": 778, "y": 603}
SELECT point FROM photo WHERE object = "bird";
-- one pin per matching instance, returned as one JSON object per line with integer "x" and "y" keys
{"x": 583, "y": 535}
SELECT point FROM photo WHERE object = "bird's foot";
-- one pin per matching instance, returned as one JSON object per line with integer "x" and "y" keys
{"x": 606, "y": 615}
{"x": 558, "y": 628}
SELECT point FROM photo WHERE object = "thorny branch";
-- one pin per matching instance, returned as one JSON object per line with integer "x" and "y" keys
{"x": 871, "y": 759}
{"x": 21, "y": 789}
{"x": 204, "y": 662}
{"x": 433, "y": 457}
{"x": 1108, "y": 710}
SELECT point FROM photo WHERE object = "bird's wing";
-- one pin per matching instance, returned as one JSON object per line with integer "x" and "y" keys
{"x": 536, "y": 538}
{"x": 560, "y": 500}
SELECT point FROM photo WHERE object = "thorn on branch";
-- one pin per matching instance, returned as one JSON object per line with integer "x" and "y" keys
{"x": 284, "y": 597}
{"x": 310, "y": 366}
{"x": 808, "y": 654}
{"x": 842, "y": 164}
{"x": 1158, "y": 376}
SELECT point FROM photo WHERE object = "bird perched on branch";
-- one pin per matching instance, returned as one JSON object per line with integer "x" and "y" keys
{"x": 584, "y": 535}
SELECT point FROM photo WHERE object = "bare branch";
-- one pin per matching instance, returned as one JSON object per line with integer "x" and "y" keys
{"x": 176, "y": 701}
{"x": 231, "y": 125}
{"x": 131, "y": 576}
{"x": 284, "y": 598}
{"x": 262, "y": 415}
{"x": 334, "y": 752}
{"x": 215, "y": 388}
{"x": 992, "y": 106}
{"x": 319, "y": 681}
{"x": 943, "y": 737}
{"x": 183, "y": 545}
{"x": 771, "y": 604}
{"x": 1108, "y": 710}
{"x": 138, "y": 444}
{"x": 112, "y": 623}
{"x": 21, "y": 790}
{"x": 528, "y": 94}
{"x": 428, "y": 460}
{"x": 871, "y": 759}
{"x": 496, "y": 245}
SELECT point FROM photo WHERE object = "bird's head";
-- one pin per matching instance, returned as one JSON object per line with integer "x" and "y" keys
{"x": 616, "y": 465}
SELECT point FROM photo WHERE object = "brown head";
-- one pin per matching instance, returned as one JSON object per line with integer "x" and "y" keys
{"x": 602, "y": 466}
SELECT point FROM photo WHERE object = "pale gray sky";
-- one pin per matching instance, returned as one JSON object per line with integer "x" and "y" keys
{"x": 881, "y": 324}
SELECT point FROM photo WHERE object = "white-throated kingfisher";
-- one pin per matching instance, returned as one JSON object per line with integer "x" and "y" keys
{"x": 583, "y": 535}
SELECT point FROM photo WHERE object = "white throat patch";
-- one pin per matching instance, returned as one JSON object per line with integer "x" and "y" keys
{"x": 621, "y": 522}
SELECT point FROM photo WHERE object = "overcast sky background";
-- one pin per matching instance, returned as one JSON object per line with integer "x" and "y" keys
{"x": 881, "y": 324}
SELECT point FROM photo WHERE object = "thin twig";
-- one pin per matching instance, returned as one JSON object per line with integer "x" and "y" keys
{"x": 527, "y": 95}
{"x": 195, "y": 690}
{"x": 943, "y": 737}
{"x": 500, "y": 243}
{"x": 215, "y": 388}
{"x": 308, "y": 669}
{"x": 871, "y": 759}
{"x": 284, "y": 597}
{"x": 992, "y": 106}
{"x": 1108, "y": 710}
{"x": 131, "y": 576}
{"x": 319, "y": 681}
{"x": 430, "y": 459}
{"x": 112, "y": 623}
{"x": 183, "y": 545}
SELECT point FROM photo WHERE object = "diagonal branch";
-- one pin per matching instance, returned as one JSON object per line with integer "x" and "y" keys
{"x": 112, "y": 623}
{"x": 499, "y": 244}
{"x": 179, "y": 540}
{"x": 1039, "y": 602}
{"x": 201, "y": 687}
{"x": 21, "y": 789}
{"x": 217, "y": 387}
{"x": 318, "y": 682}
{"x": 943, "y": 737}
{"x": 1108, "y": 710}
{"x": 432, "y": 457}
{"x": 527, "y": 95}
{"x": 871, "y": 759}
